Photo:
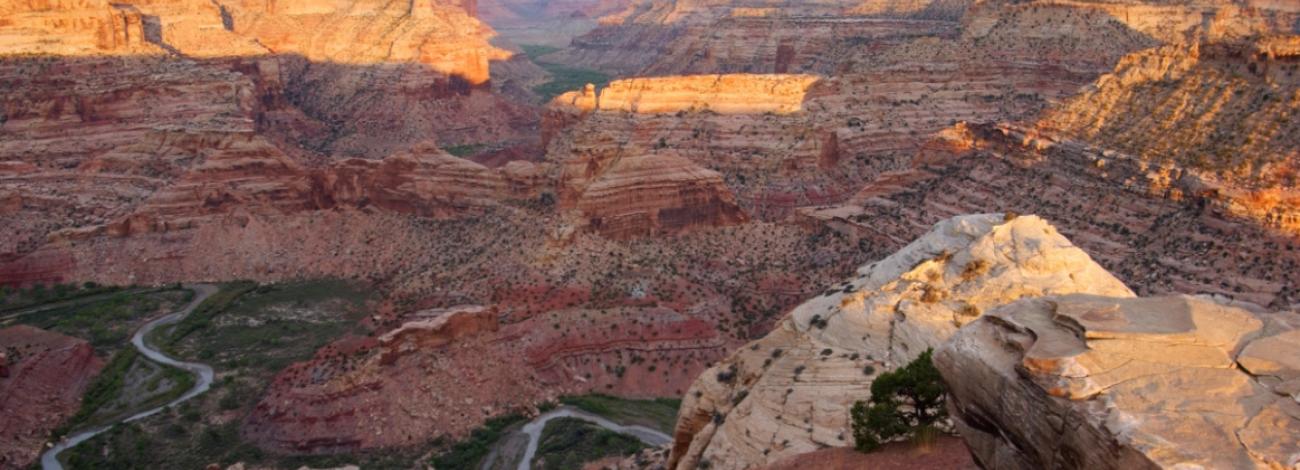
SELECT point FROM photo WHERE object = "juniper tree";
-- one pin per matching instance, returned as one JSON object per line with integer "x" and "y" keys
{"x": 903, "y": 402}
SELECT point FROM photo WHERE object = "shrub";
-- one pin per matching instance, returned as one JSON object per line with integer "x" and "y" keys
{"x": 904, "y": 402}
{"x": 974, "y": 269}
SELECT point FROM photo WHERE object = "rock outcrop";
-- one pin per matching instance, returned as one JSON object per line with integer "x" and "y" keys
{"x": 1082, "y": 381}
{"x": 242, "y": 176}
{"x": 424, "y": 181}
{"x": 110, "y": 107}
{"x": 45, "y": 374}
{"x": 723, "y": 94}
{"x": 1180, "y": 211}
{"x": 780, "y": 36}
{"x": 1212, "y": 119}
{"x": 790, "y": 392}
{"x": 387, "y": 75}
{"x": 427, "y": 377}
{"x": 654, "y": 194}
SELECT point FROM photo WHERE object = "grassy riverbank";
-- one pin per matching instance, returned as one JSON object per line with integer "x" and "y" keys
{"x": 247, "y": 333}
{"x": 659, "y": 413}
{"x": 563, "y": 77}
{"x": 570, "y": 443}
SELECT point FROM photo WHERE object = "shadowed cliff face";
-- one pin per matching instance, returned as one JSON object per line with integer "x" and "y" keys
{"x": 380, "y": 76}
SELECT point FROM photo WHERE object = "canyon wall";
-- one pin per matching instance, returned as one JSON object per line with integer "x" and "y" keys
{"x": 681, "y": 37}
{"x": 1216, "y": 118}
{"x": 654, "y": 194}
{"x": 723, "y": 94}
{"x": 152, "y": 116}
{"x": 426, "y": 377}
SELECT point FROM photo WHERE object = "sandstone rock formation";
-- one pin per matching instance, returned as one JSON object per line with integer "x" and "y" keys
{"x": 623, "y": 189}
{"x": 387, "y": 75}
{"x": 790, "y": 392}
{"x": 46, "y": 375}
{"x": 141, "y": 117}
{"x": 424, "y": 181}
{"x": 1071, "y": 164}
{"x": 1082, "y": 381}
{"x": 427, "y": 377}
{"x": 1237, "y": 144}
{"x": 780, "y": 36}
{"x": 649, "y": 194}
{"x": 546, "y": 22}
{"x": 723, "y": 94}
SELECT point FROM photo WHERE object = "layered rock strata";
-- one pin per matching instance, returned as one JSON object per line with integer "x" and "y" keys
{"x": 650, "y": 194}
{"x": 1084, "y": 381}
{"x": 680, "y": 37}
{"x": 42, "y": 377}
{"x": 718, "y": 93}
{"x": 790, "y": 392}
{"x": 1222, "y": 117}
{"x": 426, "y": 377}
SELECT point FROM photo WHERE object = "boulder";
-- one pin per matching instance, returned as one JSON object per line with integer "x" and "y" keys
{"x": 1082, "y": 381}
{"x": 790, "y": 392}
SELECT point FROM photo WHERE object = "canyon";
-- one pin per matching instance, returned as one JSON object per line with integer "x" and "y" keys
{"x": 766, "y": 205}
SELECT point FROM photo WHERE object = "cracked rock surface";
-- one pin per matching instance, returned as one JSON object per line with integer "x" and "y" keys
{"x": 1081, "y": 381}
{"x": 790, "y": 392}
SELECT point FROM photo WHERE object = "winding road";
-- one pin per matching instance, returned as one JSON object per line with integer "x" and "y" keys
{"x": 534, "y": 430}
{"x": 50, "y": 459}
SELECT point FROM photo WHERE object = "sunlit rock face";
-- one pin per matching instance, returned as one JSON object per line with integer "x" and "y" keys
{"x": 1209, "y": 119}
{"x": 143, "y": 117}
{"x": 691, "y": 37}
{"x": 651, "y": 194}
{"x": 723, "y": 94}
{"x": 42, "y": 377}
{"x": 1084, "y": 381}
{"x": 790, "y": 392}
{"x": 603, "y": 144}
{"x": 1166, "y": 214}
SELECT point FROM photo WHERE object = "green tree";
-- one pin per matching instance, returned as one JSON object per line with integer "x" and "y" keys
{"x": 904, "y": 402}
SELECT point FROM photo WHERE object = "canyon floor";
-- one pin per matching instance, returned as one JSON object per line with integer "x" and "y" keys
{"x": 430, "y": 223}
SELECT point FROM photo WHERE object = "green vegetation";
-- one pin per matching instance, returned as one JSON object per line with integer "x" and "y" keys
{"x": 659, "y": 413}
{"x": 470, "y": 452}
{"x": 104, "y": 389}
{"x": 107, "y": 317}
{"x": 466, "y": 150}
{"x": 904, "y": 402}
{"x": 260, "y": 330}
{"x": 248, "y": 333}
{"x": 108, "y": 320}
{"x": 563, "y": 78}
{"x": 536, "y": 51}
{"x": 568, "y": 443}
{"x": 12, "y": 299}
{"x": 201, "y": 317}
{"x": 128, "y": 384}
